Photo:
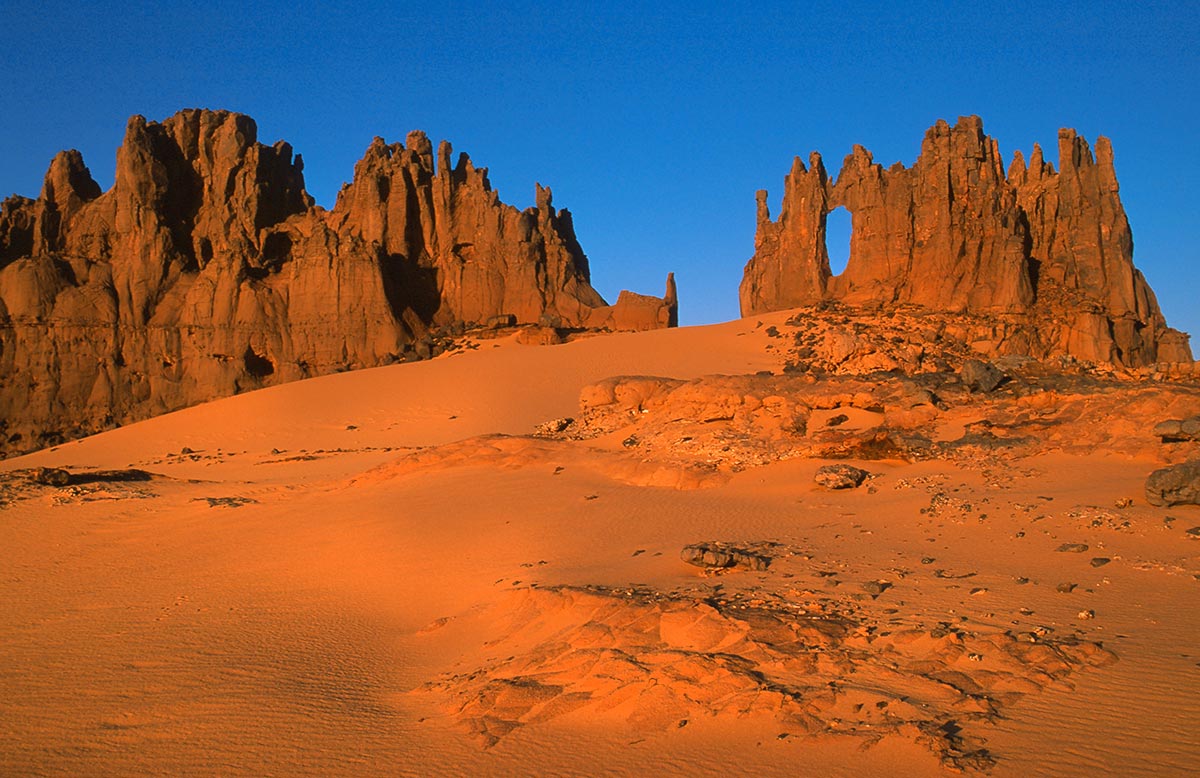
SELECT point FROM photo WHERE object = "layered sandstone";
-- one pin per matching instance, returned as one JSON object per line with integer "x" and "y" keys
{"x": 207, "y": 270}
{"x": 1042, "y": 258}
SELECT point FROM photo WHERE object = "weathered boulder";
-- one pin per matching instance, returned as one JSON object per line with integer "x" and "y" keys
{"x": 840, "y": 476}
{"x": 207, "y": 270}
{"x": 1177, "y": 485}
{"x": 51, "y": 476}
{"x": 1043, "y": 257}
{"x": 1178, "y": 430}
{"x": 979, "y": 376}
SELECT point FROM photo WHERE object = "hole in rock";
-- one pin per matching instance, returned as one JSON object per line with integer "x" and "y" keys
{"x": 837, "y": 239}
{"x": 277, "y": 248}
{"x": 256, "y": 364}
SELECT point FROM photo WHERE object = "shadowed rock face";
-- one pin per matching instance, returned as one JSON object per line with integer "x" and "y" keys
{"x": 1048, "y": 255}
{"x": 207, "y": 270}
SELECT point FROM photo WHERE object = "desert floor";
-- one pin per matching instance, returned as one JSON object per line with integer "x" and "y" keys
{"x": 383, "y": 573}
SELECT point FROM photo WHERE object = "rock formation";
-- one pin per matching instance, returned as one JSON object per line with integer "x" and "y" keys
{"x": 1044, "y": 258}
{"x": 207, "y": 270}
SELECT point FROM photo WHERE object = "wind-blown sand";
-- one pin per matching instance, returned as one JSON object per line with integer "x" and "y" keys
{"x": 385, "y": 573}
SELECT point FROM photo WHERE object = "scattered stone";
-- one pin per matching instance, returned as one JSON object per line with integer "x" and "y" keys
{"x": 840, "y": 476}
{"x": 723, "y": 555}
{"x": 834, "y": 421}
{"x": 1073, "y": 548}
{"x": 1178, "y": 485}
{"x": 1100, "y": 561}
{"x": 1086, "y": 614}
{"x": 876, "y": 588}
{"x": 226, "y": 502}
{"x": 979, "y": 590}
{"x": 1066, "y": 588}
{"x": 927, "y": 560}
{"x": 1124, "y": 502}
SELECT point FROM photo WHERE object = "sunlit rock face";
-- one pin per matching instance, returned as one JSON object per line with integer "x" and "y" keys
{"x": 1044, "y": 258}
{"x": 207, "y": 270}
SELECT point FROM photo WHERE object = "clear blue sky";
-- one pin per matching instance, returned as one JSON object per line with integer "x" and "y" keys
{"x": 654, "y": 124}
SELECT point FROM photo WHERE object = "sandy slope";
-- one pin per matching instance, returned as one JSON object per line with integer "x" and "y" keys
{"x": 307, "y": 593}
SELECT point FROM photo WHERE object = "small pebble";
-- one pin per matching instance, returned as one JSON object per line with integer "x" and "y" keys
{"x": 1066, "y": 588}
{"x": 1100, "y": 561}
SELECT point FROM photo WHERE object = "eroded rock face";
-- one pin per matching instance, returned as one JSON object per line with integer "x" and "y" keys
{"x": 1046, "y": 255}
{"x": 207, "y": 270}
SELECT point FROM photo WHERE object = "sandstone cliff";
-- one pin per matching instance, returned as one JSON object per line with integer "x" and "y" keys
{"x": 1042, "y": 258}
{"x": 207, "y": 270}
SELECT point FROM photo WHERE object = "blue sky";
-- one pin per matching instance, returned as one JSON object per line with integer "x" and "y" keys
{"x": 653, "y": 123}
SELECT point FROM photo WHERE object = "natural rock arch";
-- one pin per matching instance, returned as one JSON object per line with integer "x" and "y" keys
{"x": 1047, "y": 254}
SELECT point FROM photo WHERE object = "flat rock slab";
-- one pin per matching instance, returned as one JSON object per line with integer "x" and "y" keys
{"x": 723, "y": 555}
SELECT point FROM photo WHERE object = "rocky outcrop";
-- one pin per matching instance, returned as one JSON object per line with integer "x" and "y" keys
{"x": 1044, "y": 258}
{"x": 635, "y": 311}
{"x": 207, "y": 270}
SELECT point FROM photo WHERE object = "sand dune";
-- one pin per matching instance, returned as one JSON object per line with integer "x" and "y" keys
{"x": 389, "y": 573}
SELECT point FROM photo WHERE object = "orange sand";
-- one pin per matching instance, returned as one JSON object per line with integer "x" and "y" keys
{"x": 302, "y": 596}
